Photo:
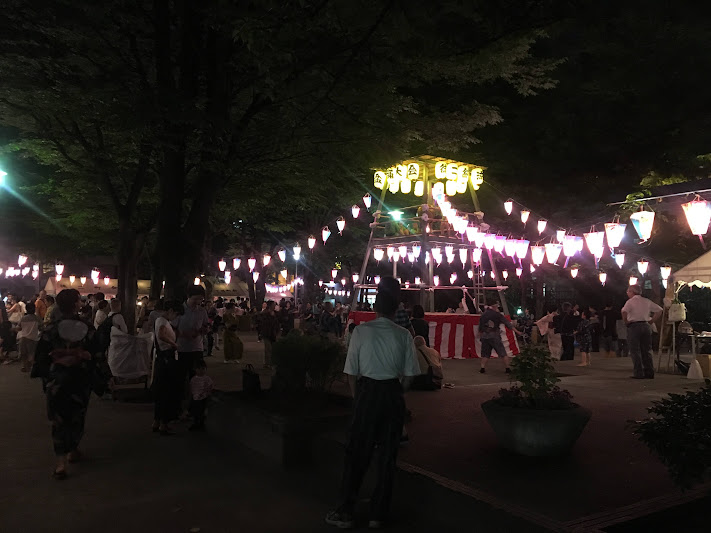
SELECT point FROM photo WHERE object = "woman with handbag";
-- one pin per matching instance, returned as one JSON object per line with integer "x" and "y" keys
{"x": 66, "y": 363}
{"x": 167, "y": 383}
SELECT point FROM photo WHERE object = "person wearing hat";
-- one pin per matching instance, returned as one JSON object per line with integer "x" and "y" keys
{"x": 490, "y": 335}
{"x": 381, "y": 364}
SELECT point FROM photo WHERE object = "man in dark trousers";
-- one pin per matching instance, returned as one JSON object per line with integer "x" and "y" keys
{"x": 490, "y": 335}
{"x": 380, "y": 365}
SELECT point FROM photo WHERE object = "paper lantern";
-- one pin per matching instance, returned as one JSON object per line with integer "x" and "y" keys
{"x": 463, "y": 253}
{"x": 282, "y": 255}
{"x": 378, "y": 254}
{"x": 521, "y": 248}
{"x": 499, "y": 243}
{"x": 355, "y": 278}
{"x": 665, "y": 271}
{"x": 436, "y": 251}
{"x": 266, "y": 259}
{"x": 532, "y": 268}
{"x": 452, "y": 278}
{"x": 222, "y": 264}
{"x": 476, "y": 255}
{"x": 541, "y": 225}
{"x": 493, "y": 276}
{"x": 418, "y": 281}
{"x": 255, "y": 276}
{"x": 435, "y": 280}
{"x": 251, "y": 262}
{"x": 406, "y": 186}
{"x": 228, "y": 277}
{"x": 505, "y": 274}
{"x": 479, "y": 239}
{"x": 642, "y": 266}
{"x": 367, "y": 200}
{"x": 508, "y": 206}
{"x": 416, "y": 250}
{"x": 519, "y": 271}
{"x": 72, "y": 279}
{"x": 396, "y": 256}
{"x": 614, "y": 231}
{"x": 574, "y": 272}
{"x": 451, "y": 188}
{"x": 510, "y": 247}
{"x": 343, "y": 281}
{"x": 698, "y": 215}
{"x": 340, "y": 224}
{"x": 393, "y": 185}
{"x": 449, "y": 250}
{"x": 489, "y": 241}
{"x": 471, "y": 231}
{"x": 58, "y": 277}
{"x": 82, "y": 280}
{"x": 620, "y": 258}
{"x": 411, "y": 257}
{"x": 59, "y": 269}
{"x": 553, "y": 252}
{"x": 419, "y": 188}
{"x": 196, "y": 281}
{"x": 595, "y": 242}
{"x": 390, "y": 251}
{"x": 633, "y": 280}
{"x": 665, "y": 283}
{"x": 560, "y": 235}
{"x": 320, "y": 283}
{"x": 284, "y": 274}
{"x": 470, "y": 274}
{"x": 35, "y": 274}
{"x": 643, "y": 221}
{"x": 570, "y": 247}
{"x": 450, "y": 259}
{"x": 525, "y": 213}
{"x": 325, "y": 233}
{"x": 236, "y": 263}
{"x": 297, "y": 251}
{"x": 26, "y": 271}
{"x": 403, "y": 250}
{"x": 537, "y": 254}
{"x": 95, "y": 273}
{"x": 334, "y": 273}
{"x": 21, "y": 259}
{"x": 35, "y": 268}
{"x": 603, "y": 277}
{"x": 438, "y": 189}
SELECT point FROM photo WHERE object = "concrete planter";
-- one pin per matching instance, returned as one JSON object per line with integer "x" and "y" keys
{"x": 286, "y": 437}
{"x": 536, "y": 432}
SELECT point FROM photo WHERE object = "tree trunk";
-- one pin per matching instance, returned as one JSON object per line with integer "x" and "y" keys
{"x": 128, "y": 272}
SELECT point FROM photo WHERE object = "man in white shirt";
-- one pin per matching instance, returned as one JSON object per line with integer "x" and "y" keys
{"x": 636, "y": 314}
{"x": 381, "y": 364}
{"x": 101, "y": 314}
{"x": 117, "y": 319}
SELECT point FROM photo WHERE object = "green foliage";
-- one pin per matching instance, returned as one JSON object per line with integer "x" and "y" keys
{"x": 679, "y": 432}
{"x": 534, "y": 371}
{"x": 307, "y": 362}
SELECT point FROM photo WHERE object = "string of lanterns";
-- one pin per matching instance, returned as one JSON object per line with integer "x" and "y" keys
{"x": 24, "y": 270}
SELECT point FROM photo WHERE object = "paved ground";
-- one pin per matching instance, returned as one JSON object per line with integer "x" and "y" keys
{"x": 135, "y": 480}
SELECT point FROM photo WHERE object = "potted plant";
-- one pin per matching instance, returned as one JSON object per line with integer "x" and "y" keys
{"x": 534, "y": 416}
{"x": 679, "y": 433}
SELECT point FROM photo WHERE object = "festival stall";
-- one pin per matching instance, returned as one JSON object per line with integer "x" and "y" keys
{"x": 454, "y": 336}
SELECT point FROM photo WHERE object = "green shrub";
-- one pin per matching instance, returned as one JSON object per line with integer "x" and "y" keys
{"x": 536, "y": 388}
{"x": 679, "y": 432}
{"x": 307, "y": 362}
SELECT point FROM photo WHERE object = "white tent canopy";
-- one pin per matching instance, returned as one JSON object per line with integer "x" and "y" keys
{"x": 695, "y": 274}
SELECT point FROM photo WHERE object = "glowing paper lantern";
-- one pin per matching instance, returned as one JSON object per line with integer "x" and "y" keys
{"x": 418, "y": 281}
{"x": 643, "y": 221}
{"x": 311, "y": 241}
{"x": 519, "y": 271}
{"x": 665, "y": 283}
{"x": 493, "y": 276}
{"x": 505, "y": 274}
{"x": 525, "y": 213}
{"x": 236, "y": 263}
{"x": 251, "y": 262}
{"x": 620, "y": 258}
{"x": 282, "y": 255}
{"x": 574, "y": 272}
{"x": 35, "y": 268}
{"x": 59, "y": 269}
{"x": 228, "y": 277}
{"x": 355, "y": 278}
{"x": 633, "y": 280}
{"x": 396, "y": 256}
{"x": 82, "y": 280}
{"x": 595, "y": 240}
{"x": 489, "y": 241}
{"x": 325, "y": 233}
{"x": 463, "y": 253}
{"x": 403, "y": 250}
{"x": 603, "y": 277}
{"x": 58, "y": 277}
{"x": 419, "y": 188}
{"x": 470, "y": 274}
{"x": 450, "y": 259}
{"x": 435, "y": 279}
{"x": 532, "y": 268}
{"x": 449, "y": 250}
{"x": 471, "y": 231}
{"x": 266, "y": 259}
{"x": 479, "y": 239}
{"x": 560, "y": 235}
{"x": 35, "y": 274}
{"x": 436, "y": 251}
{"x": 284, "y": 274}
{"x": 411, "y": 257}
{"x": 476, "y": 255}
{"x": 378, "y": 254}
{"x": 614, "y": 231}
{"x": 196, "y": 281}
{"x": 72, "y": 279}
{"x": 508, "y": 206}
{"x": 537, "y": 254}
{"x": 438, "y": 189}
{"x": 698, "y": 215}
{"x": 367, "y": 200}
{"x": 499, "y": 243}
{"x": 221, "y": 264}
{"x": 21, "y": 259}
{"x": 642, "y": 266}
{"x": 343, "y": 281}
{"x": 569, "y": 246}
{"x": 510, "y": 247}
{"x": 451, "y": 188}
{"x": 340, "y": 224}
{"x": 452, "y": 278}
{"x": 416, "y": 249}
{"x": 95, "y": 275}
{"x": 297, "y": 251}
{"x": 26, "y": 271}
{"x": 542, "y": 223}
{"x": 334, "y": 273}
{"x": 320, "y": 283}
{"x": 255, "y": 276}
{"x": 665, "y": 271}
{"x": 553, "y": 252}
{"x": 521, "y": 248}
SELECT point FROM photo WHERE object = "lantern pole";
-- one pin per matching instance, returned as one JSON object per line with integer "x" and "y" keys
{"x": 369, "y": 248}
{"x": 428, "y": 295}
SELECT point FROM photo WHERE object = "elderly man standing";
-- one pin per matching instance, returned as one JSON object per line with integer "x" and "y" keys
{"x": 636, "y": 314}
{"x": 380, "y": 365}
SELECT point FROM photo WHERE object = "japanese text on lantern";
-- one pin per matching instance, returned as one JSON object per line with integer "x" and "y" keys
{"x": 407, "y": 178}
